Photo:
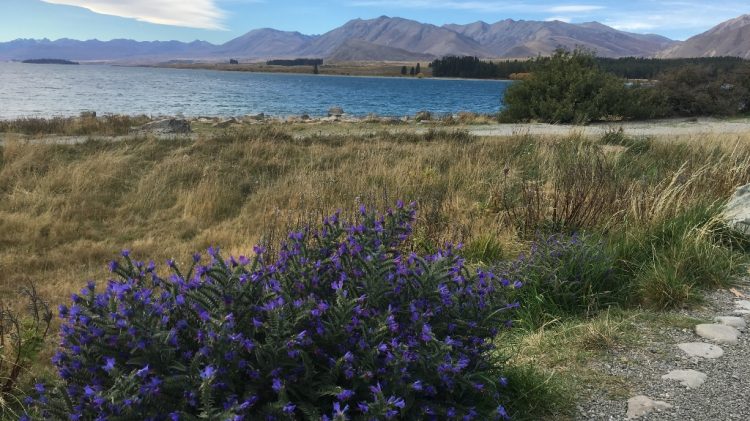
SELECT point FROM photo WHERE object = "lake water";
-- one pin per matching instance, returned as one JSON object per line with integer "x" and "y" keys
{"x": 36, "y": 90}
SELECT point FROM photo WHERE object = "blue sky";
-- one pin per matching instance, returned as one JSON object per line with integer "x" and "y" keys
{"x": 221, "y": 20}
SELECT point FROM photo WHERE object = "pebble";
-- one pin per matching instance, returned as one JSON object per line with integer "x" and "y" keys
{"x": 691, "y": 379}
{"x": 742, "y": 304}
{"x": 736, "y": 322}
{"x": 700, "y": 349}
{"x": 718, "y": 333}
{"x": 641, "y": 405}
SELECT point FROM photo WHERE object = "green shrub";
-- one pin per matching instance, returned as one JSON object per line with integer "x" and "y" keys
{"x": 569, "y": 87}
{"x": 563, "y": 276}
{"x": 703, "y": 90}
{"x": 634, "y": 145}
{"x": 671, "y": 262}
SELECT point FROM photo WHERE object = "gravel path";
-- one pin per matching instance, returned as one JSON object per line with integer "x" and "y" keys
{"x": 656, "y": 128}
{"x": 671, "y": 127}
{"x": 725, "y": 395}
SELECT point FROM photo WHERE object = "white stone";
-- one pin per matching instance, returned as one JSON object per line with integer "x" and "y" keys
{"x": 718, "y": 333}
{"x": 700, "y": 349}
{"x": 742, "y": 312}
{"x": 736, "y": 322}
{"x": 691, "y": 379}
{"x": 742, "y": 304}
{"x": 639, "y": 406}
{"x": 737, "y": 210}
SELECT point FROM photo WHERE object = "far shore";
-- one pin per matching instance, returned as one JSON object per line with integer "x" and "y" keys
{"x": 333, "y": 70}
{"x": 386, "y": 69}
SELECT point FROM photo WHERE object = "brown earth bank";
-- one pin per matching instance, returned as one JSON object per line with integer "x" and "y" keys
{"x": 389, "y": 69}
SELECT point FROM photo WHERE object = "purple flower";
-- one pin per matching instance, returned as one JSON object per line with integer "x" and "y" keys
{"x": 277, "y": 385}
{"x": 208, "y": 372}
{"x": 426, "y": 334}
{"x": 89, "y": 391}
{"x": 363, "y": 407}
{"x": 109, "y": 364}
{"x": 338, "y": 411}
{"x": 345, "y": 395}
{"x": 289, "y": 408}
{"x": 143, "y": 372}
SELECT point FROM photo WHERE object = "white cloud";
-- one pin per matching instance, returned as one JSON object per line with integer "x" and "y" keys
{"x": 634, "y": 26}
{"x": 481, "y": 6}
{"x": 203, "y": 14}
{"x": 575, "y": 8}
{"x": 560, "y": 18}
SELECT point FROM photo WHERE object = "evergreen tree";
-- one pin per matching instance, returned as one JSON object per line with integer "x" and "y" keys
{"x": 315, "y": 69}
{"x": 412, "y": 72}
{"x": 419, "y": 69}
{"x": 404, "y": 70}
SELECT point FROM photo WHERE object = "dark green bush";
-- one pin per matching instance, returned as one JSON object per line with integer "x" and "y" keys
{"x": 702, "y": 90}
{"x": 569, "y": 87}
{"x": 563, "y": 276}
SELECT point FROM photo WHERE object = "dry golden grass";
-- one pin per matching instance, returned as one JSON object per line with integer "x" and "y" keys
{"x": 65, "y": 210}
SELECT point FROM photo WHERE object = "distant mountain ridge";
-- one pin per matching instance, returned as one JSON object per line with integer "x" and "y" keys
{"x": 383, "y": 39}
{"x": 730, "y": 38}
{"x": 509, "y": 38}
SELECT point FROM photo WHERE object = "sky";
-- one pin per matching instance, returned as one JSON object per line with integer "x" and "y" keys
{"x": 218, "y": 21}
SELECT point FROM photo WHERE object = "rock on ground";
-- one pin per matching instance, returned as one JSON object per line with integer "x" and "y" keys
{"x": 736, "y": 322}
{"x": 737, "y": 210}
{"x": 691, "y": 379}
{"x": 700, "y": 349}
{"x": 335, "y": 112}
{"x": 641, "y": 405}
{"x": 718, "y": 333}
{"x": 226, "y": 123}
{"x": 166, "y": 126}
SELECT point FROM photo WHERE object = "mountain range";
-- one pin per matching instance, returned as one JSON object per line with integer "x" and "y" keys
{"x": 396, "y": 39}
{"x": 730, "y": 38}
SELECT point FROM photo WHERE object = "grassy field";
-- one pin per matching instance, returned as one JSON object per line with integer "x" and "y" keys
{"x": 650, "y": 204}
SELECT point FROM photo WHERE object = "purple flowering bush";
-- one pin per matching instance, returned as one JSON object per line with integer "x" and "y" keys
{"x": 342, "y": 324}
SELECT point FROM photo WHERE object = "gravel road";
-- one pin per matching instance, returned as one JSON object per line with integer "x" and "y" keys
{"x": 671, "y": 127}
{"x": 725, "y": 395}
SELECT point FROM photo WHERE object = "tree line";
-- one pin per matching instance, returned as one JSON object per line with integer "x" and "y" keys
{"x": 627, "y": 67}
{"x": 576, "y": 87}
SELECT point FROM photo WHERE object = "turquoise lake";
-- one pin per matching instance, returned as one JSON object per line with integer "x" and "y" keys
{"x": 36, "y": 90}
